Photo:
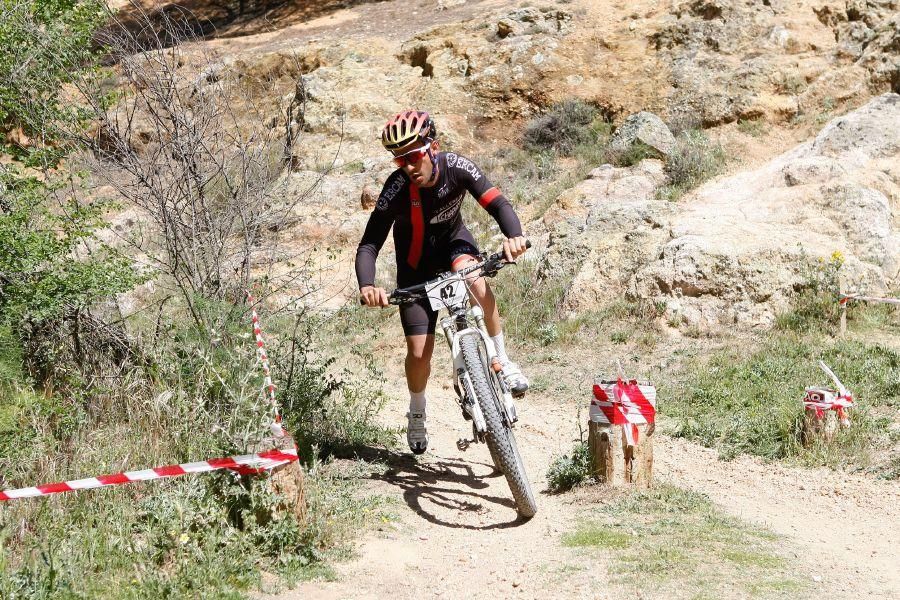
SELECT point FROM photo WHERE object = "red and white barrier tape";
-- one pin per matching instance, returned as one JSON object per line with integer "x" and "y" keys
{"x": 623, "y": 402}
{"x": 245, "y": 464}
{"x": 846, "y": 298}
{"x": 277, "y": 429}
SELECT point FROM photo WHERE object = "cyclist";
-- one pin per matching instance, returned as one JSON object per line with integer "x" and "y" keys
{"x": 422, "y": 200}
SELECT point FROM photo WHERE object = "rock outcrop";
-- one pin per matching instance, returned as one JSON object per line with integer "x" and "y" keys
{"x": 733, "y": 251}
{"x": 776, "y": 60}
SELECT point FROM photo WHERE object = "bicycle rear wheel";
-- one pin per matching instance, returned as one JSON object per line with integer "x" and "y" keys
{"x": 500, "y": 439}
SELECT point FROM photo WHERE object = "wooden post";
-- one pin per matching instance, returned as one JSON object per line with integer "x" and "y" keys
{"x": 818, "y": 428}
{"x": 287, "y": 481}
{"x": 843, "y": 318}
{"x": 615, "y": 463}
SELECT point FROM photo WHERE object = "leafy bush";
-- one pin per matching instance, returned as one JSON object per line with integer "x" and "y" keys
{"x": 188, "y": 538}
{"x": 334, "y": 413}
{"x": 46, "y": 44}
{"x": 197, "y": 536}
{"x": 816, "y": 304}
{"x": 40, "y": 239}
{"x": 634, "y": 154}
{"x": 694, "y": 160}
{"x": 563, "y": 128}
{"x": 565, "y": 472}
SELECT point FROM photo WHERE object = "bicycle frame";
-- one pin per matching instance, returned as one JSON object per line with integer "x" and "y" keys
{"x": 465, "y": 320}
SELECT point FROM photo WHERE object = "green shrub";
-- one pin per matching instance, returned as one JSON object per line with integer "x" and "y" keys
{"x": 694, "y": 160}
{"x": 816, "y": 305}
{"x": 529, "y": 305}
{"x": 632, "y": 155}
{"x": 334, "y": 413}
{"x": 752, "y": 127}
{"x": 200, "y": 535}
{"x": 565, "y": 472}
{"x": 196, "y": 537}
{"x": 563, "y": 128}
{"x": 10, "y": 357}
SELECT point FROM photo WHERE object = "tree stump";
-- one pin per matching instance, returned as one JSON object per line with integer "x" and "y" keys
{"x": 613, "y": 461}
{"x": 819, "y": 427}
{"x": 826, "y": 411}
{"x": 287, "y": 481}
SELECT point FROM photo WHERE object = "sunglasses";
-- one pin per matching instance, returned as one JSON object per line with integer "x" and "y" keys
{"x": 412, "y": 157}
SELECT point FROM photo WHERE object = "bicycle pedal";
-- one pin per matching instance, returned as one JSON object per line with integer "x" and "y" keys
{"x": 463, "y": 444}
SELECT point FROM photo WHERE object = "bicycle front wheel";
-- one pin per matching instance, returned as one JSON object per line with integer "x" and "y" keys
{"x": 500, "y": 439}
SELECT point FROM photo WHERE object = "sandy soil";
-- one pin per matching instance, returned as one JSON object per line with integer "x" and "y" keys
{"x": 457, "y": 528}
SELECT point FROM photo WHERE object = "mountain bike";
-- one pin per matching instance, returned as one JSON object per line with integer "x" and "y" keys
{"x": 481, "y": 390}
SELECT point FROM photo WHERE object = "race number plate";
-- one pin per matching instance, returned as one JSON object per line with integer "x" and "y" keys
{"x": 447, "y": 293}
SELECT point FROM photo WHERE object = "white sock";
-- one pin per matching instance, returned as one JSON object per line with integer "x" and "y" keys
{"x": 500, "y": 346}
{"x": 417, "y": 402}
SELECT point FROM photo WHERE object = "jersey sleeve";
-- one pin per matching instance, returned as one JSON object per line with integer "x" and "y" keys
{"x": 380, "y": 222}
{"x": 489, "y": 197}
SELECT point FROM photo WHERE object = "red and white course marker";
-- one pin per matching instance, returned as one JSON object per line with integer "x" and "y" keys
{"x": 847, "y": 298}
{"x": 821, "y": 399}
{"x": 624, "y": 402}
{"x": 245, "y": 464}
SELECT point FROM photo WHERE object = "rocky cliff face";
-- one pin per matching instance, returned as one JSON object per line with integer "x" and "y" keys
{"x": 727, "y": 253}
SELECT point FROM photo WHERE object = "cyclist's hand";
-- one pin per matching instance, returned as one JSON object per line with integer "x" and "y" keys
{"x": 373, "y": 296}
{"x": 513, "y": 248}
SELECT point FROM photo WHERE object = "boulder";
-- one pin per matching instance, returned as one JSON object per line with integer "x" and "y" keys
{"x": 602, "y": 231}
{"x": 645, "y": 128}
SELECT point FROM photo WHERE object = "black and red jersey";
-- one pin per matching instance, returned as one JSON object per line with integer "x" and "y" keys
{"x": 428, "y": 222}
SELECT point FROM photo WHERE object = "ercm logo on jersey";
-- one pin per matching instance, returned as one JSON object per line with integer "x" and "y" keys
{"x": 464, "y": 164}
{"x": 390, "y": 192}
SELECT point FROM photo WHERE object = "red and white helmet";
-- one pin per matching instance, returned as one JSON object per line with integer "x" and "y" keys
{"x": 406, "y": 127}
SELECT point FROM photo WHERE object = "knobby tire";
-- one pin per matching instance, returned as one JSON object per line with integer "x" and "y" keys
{"x": 500, "y": 439}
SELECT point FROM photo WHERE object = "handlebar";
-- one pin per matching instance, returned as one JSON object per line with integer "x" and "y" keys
{"x": 489, "y": 265}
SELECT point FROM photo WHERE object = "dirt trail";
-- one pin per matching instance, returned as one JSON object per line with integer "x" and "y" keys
{"x": 456, "y": 527}
{"x": 456, "y": 530}
{"x": 850, "y": 524}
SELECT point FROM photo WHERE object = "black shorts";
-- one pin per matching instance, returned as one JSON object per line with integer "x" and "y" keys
{"x": 418, "y": 318}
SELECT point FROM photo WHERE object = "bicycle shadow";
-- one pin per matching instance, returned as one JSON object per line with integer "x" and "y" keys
{"x": 444, "y": 482}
